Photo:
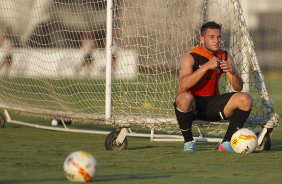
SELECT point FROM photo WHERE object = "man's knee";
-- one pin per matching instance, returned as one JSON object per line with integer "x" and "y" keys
{"x": 184, "y": 101}
{"x": 244, "y": 101}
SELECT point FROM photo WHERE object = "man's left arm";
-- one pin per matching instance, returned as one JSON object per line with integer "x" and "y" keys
{"x": 228, "y": 67}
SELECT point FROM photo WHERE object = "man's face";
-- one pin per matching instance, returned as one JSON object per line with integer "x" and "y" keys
{"x": 211, "y": 40}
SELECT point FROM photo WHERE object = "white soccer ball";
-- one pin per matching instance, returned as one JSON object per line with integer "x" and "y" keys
{"x": 244, "y": 141}
{"x": 80, "y": 166}
{"x": 54, "y": 122}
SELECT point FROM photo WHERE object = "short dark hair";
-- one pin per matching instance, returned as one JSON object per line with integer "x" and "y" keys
{"x": 209, "y": 25}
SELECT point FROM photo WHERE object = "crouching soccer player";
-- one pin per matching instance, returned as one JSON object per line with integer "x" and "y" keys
{"x": 199, "y": 97}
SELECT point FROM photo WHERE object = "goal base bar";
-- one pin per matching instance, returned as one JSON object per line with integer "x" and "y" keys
{"x": 153, "y": 137}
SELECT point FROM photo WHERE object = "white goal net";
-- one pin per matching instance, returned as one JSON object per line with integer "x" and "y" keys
{"x": 53, "y": 58}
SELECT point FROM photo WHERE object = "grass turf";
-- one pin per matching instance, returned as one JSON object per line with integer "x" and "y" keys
{"x": 36, "y": 156}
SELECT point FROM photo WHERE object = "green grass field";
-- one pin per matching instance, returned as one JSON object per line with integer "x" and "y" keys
{"x": 31, "y": 156}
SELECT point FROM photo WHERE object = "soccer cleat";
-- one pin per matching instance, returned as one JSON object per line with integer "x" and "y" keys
{"x": 189, "y": 147}
{"x": 225, "y": 147}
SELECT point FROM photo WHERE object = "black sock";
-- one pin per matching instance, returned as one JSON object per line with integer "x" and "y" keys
{"x": 236, "y": 121}
{"x": 185, "y": 120}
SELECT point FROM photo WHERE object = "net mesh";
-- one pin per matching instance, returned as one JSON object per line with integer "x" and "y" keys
{"x": 53, "y": 58}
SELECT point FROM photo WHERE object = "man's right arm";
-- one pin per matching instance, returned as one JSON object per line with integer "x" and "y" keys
{"x": 188, "y": 78}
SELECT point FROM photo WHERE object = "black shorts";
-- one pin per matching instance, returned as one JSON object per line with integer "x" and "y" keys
{"x": 211, "y": 107}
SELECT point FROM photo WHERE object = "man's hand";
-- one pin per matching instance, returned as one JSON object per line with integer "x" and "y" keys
{"x": 227, "y": 66}
{"x": 213, "y": 63}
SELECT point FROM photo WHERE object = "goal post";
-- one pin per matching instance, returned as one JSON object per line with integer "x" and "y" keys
{"x": 116, "y": 61}
{"x": 109, "y": 53}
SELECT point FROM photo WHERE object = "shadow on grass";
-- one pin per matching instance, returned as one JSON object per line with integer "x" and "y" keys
{"x": 141, "y": 147}
{"x": 115, "y": 177}
{"x": 276, "y": 146}
{"x": 39, "y": 180}
{"x": 156, "y": 145}
{"x": 99, "y": 178}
